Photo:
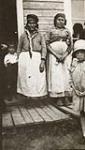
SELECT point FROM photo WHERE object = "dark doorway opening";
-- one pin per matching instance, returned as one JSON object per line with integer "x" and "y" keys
{"x": 8, "y": 21}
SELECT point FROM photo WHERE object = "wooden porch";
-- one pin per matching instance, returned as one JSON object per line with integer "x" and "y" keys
{"x": 31, "y": 112}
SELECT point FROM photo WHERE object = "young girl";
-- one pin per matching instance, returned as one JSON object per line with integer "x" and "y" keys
{"x": 11, "y": 64}
{"x": 59, "y": 47}
{"x": 78, "y": 78}
{"x": 32, "y": 56}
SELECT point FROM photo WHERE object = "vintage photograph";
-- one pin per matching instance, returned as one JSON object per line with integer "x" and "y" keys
{"x": 42, "y": 74}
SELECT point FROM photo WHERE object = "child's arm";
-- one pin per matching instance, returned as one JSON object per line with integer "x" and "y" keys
{"x": 6, "y": 61}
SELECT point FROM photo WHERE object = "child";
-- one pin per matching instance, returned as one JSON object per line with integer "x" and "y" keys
{"x": 78, "y": 78}
{"x": 59, "y": 48}
{"x": 11, "y": 62}
{"x": 32, "y": 57}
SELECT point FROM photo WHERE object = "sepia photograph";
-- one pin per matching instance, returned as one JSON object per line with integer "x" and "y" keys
{"x": 42, "y": 74}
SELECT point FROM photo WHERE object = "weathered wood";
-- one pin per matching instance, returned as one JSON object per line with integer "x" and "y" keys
{"x": 50, "y": 113}
{"x": 45, "y": 116}
{"x": 69, "y": 111}
{"x": 41, "y": 13}
{"x": 58, "y": 1}
{"x": 35, "y": 116}
{"x": 20, "y": 20}
{"x": 60, "y": 115}
{"x": 17, "y": 117}
{"x": 42, "y": 5}
{"x": 26, "y": 115}
{"x": 83, "y": 124}
{"x": 44, "y": 20}
{"x": 7, "y": 120}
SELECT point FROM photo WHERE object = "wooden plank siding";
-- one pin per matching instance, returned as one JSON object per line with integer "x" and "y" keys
{"x": 78, "y": 11}
{"x": 44, "y": 9}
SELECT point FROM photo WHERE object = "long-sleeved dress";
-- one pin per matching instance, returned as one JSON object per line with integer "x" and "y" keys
{"x": 31, "y": 82}
{"x": 58, "y": 72}
{"x": 78, "y": 83}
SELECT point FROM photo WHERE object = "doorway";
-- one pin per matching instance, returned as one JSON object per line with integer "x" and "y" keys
{"x": 8, "y": 21}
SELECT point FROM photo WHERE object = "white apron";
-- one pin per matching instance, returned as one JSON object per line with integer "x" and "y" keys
{"x": 58, "y": 73}
{"x": 31, "y": 82}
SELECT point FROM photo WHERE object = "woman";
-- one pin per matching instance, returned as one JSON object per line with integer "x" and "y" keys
{"x": 32, "y": 56}
{"x": 59, "y": 48}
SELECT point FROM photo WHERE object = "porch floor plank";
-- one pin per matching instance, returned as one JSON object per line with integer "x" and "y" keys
{"x": 50, "y": 113}
{"x": 69, "y": 111}
{"x": 59, "y": 114}
{"x": 45, "y": 116}
{"x": 26, "y": 115}
{"x": 35, "y": 115}
{"x": 7, "y": 120}
{"x": 17, "y": 117}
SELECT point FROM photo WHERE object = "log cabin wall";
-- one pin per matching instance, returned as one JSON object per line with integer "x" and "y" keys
{"x": 44, "y": 9}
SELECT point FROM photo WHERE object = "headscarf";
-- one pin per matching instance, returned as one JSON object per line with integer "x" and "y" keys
{"x": 32, "y": 16}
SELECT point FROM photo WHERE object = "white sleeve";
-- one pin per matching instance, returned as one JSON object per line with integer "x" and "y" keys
{"x": 6, "y": 60}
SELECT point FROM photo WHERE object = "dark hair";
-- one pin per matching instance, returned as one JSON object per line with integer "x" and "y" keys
{"x": 77, "y": 29}
{"x": 82, "y": 34}
{"x": 59, "y": 15}
{"x": 34, "y": 17}
{"x": 74, "y": 53}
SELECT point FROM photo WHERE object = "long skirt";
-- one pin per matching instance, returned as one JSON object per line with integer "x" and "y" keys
{"x": 31, "y": 82}
{"x": 59, "y": 77}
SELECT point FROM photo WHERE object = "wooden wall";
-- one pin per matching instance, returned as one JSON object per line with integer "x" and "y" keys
{"x": 78, "y": 11}
{"x": 44, "y": 9}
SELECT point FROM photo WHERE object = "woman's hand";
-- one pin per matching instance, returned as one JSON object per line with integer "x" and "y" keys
{"x": 42, "y": 65}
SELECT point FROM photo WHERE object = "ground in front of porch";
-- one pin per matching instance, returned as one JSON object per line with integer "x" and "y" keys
{"x": 60, "y": 135}
{"x": 40, "y": 125}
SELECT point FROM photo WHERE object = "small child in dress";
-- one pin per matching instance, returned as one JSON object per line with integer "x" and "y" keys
{"x": 78, "y": 79}
{"x": 11, "y": 64}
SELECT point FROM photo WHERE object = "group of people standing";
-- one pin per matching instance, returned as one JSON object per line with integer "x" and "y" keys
{"x": 43, "y": 65}
{"x": 47, "y": 65}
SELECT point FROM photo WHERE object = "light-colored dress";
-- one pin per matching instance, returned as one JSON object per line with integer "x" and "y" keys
{"x": 58, "y": 72}
{"x": 31, "y": 82}
{"x": 78, "y": 80}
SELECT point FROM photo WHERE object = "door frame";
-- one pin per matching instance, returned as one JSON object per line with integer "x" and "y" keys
{"x": 20, "y": 17}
